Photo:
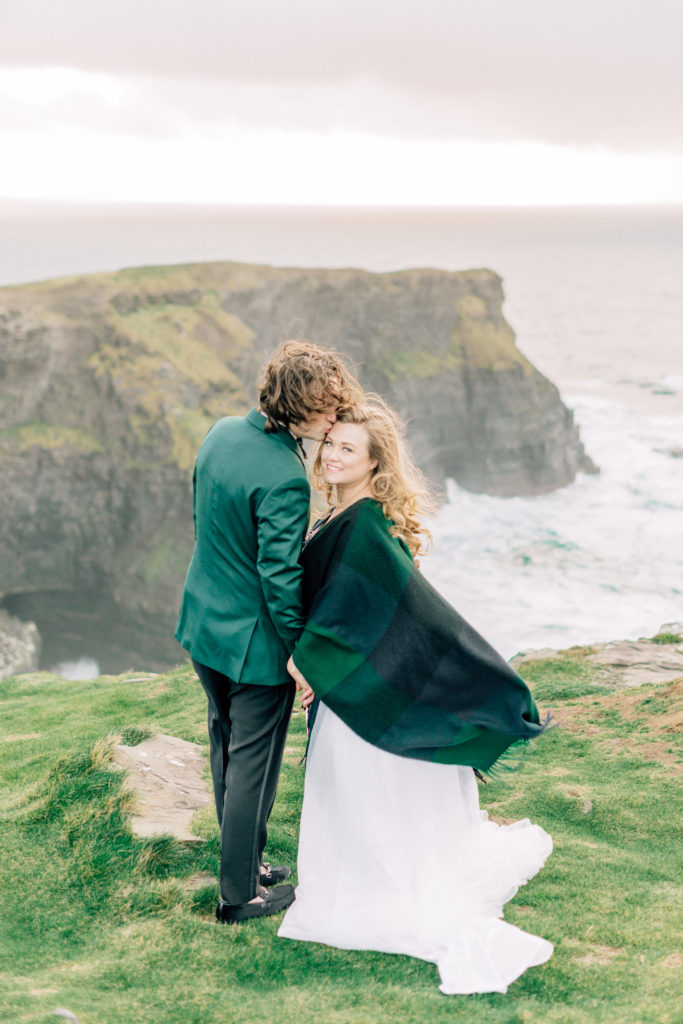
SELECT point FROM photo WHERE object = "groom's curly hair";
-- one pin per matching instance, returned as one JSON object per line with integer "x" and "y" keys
{"x": 300, "y": 379}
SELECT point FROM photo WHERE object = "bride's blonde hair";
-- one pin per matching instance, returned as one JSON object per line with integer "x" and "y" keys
{"x": 396, "y": 482}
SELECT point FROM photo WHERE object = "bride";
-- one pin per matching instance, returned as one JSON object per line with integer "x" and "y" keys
{"x": 405, "y": 701}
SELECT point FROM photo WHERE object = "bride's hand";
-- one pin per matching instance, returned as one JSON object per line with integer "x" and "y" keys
{"x": 307, "y": 698}
{"x": 295, "y": 674}
{"x": 306, "y": 693}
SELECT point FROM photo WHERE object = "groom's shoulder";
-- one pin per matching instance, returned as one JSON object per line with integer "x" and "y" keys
{"x": 237, "y": 451}
{"x": 232, "y": 432}
{"x": 227, "y": 425}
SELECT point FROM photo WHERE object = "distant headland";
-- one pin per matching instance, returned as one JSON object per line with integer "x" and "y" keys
{"x": 110, "y": 381}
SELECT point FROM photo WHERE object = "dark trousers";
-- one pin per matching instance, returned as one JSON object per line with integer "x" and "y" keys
{"x": 247, "y": 732}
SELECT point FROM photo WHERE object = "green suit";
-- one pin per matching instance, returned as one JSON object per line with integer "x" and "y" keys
{"x": 241, "y": 612}
{"x": 240, "y": 617}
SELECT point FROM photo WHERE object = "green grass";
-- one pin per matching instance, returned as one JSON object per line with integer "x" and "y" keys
{"x": 100, "y": 922}
{"x": 46, "y": 435}
{"x": 565, "y": 675}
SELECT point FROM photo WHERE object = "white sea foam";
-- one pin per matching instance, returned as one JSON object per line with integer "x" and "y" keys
{"x": 597, "y": 560}
{"x": 81, "y": 668}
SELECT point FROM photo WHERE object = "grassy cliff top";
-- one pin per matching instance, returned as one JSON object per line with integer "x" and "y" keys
{"x": 179, "y": 346}
{"x": 101, "y": 923}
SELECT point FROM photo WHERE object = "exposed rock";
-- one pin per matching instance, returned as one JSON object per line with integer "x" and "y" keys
{"x": 111, "y": 381}
{"x": 166, "y": 774}
{"x": 19, "y": 646}
{"x": 671, "y": 629}
{"x": 634, "y": 662}
{"x": 627, "y": 663}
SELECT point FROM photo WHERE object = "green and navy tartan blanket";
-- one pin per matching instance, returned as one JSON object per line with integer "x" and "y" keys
{"x": 394, "y": 660}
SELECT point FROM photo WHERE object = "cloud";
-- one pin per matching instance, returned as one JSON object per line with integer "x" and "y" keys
{"x": 302, "y": 168}
{"x": 34, "y": 100}
{"x": 601, "y": 72}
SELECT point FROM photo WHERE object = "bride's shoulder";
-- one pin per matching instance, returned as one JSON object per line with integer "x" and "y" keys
{"x": 370, "y": 510}
{"x": 371, "y": 518}
{"x": 375, "y": 522}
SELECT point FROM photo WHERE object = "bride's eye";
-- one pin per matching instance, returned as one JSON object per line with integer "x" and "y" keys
{"x": 327, "y": 444}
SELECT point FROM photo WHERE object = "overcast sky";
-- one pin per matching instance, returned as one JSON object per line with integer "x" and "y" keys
{"x": 427, "y": 101}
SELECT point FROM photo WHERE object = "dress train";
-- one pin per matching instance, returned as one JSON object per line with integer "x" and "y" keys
{"x": 396, "y": 856}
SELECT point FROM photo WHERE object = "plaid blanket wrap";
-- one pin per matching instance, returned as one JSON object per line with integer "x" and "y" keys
{"x": 394, "y": 660}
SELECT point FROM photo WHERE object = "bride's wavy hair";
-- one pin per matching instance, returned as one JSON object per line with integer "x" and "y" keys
{"x": 396, "y": 481}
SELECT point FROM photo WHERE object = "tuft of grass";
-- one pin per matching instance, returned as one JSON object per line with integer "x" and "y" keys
{"x": 134, "y": 735}
{"x": 667, "y": 638}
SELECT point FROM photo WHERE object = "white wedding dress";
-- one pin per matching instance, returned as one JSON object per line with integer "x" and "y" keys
{"x": 396, "y": 856}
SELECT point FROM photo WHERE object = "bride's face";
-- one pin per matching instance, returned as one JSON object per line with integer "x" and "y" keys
{"x": 345, "y": 458}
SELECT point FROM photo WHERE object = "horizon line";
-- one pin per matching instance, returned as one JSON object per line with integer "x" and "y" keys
{"x": 8, "y": 201}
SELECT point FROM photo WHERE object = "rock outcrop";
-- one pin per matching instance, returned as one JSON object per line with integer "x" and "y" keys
{"x": 19, "y": 646}
{"x": 627, "y": 663}
{"x": 167, "y": 776}
{"x": 111, "y": 381}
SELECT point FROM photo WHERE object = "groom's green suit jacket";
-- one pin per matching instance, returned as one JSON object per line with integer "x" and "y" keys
{"x": 241, "y": 611}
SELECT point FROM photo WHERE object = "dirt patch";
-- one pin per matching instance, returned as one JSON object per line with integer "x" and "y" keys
{"x": 598, "y": 955}
{"x": 200, "y": 882}
{"x": 15, "y": 737}
{"x": 580, "y": 795}
{"x": 658, "y": 709}
{"x": 159, "y": 689}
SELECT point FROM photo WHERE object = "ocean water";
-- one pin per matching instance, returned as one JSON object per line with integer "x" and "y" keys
{"x": 595, "y": 297}
{"x": 598, "y": 560}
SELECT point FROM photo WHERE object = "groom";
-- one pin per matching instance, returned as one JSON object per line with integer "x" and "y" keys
{"x": 241, "y": 611}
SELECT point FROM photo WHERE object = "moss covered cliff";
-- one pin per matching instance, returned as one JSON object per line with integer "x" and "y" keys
{"x": 110, "y": 382}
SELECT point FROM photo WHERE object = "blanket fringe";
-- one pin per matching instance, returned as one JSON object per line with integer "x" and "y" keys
{"x": 512, "y": 759}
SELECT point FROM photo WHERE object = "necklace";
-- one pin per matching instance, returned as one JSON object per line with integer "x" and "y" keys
{"x": 318, "y": 526}
{"x": 352, "y": 498}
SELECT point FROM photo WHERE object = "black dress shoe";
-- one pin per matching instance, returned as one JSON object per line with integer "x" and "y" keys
{"x": 272, "y": 875}
{"x": 274, "y": 901}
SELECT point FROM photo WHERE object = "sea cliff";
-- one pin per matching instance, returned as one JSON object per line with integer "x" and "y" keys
{"x": 110, "y": 382}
